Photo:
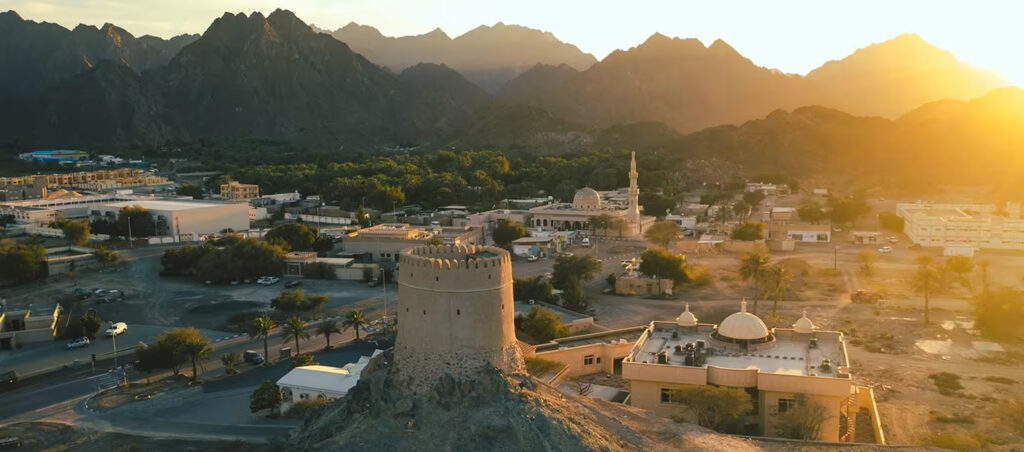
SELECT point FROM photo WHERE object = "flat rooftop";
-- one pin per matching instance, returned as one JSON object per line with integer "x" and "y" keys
{"x": 522, "y": 308}
{"x": 791, "y": 353}
{"x": 165, "y": 204}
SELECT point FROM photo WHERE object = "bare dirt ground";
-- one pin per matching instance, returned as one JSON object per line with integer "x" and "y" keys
{"x": 57, "y": 437}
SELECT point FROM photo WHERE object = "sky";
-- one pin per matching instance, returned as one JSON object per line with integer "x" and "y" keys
{"x": 794, "y": 36}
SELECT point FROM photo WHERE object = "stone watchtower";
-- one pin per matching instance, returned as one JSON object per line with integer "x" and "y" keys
{"x": 455, "y": 314}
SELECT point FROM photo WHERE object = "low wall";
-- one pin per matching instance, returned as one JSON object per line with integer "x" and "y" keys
{"x": 867, "y": 401}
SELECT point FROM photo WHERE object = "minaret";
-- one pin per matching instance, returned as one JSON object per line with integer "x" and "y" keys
{"x": 634, "y": 193}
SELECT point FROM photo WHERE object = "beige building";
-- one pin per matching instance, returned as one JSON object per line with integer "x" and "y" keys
{"x": 588, "y": 203}
{"x": 979, "y": 226}
{"x": 345, "y": 269}
{"x": 235, "y": 191}
{"x": 23, "y": 325}
{"x": 455, "y": 314}
{"x": 386, "y": 241}
{"x": 772, "y": 365}
{"x": 634, "y": 283}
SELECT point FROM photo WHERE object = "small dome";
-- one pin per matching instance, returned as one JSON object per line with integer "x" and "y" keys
{"x": 586, "y": 198}
{"x": 686, "y": 318}
{"x": 743, "y": 326}
{"x": 803, "y": 325}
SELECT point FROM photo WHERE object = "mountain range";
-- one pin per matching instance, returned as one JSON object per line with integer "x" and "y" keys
{"x": 488, "y": 56}
{"x": 901, "y": 105}
{"x": 34, "y": 56}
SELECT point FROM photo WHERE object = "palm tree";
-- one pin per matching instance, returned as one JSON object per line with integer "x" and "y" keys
{"x": 926, "y": 280}
{"x": 601, "y": 222}
{"x": 983, "y": 269}
{"x": 326, "y": 328}
{"x": 354, "y": 319}
{"x": 294, "y": 328}
{"x": 261, "y": 327}
{"x": 780, "y": 280}
{"x": 753, "y": 268}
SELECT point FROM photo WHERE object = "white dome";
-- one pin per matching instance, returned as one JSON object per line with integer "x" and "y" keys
{"x": 586, "y": 198}
{"x": 804, "y": 324}
{"x": 743, "y": 326}
{"x": 686, "y": 318}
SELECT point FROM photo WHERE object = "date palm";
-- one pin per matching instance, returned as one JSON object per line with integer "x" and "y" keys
{"x": 780, "y": 282}
{"x": 261, "y": 327}
{"x": 356, "y": 320}
{"x": 326, "y": 328}
{"x": 754, "y": 268}
{"x": 925, "y": 282}
{"x": 294, "y": 329}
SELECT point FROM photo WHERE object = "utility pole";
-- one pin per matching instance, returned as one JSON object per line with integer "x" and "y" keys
{"x": 835, "y": 258}
{"x": 114, "y": 341}
{"x": 131, "y": 243}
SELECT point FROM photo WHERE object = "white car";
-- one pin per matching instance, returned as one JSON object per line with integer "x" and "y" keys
{"x": 117, "y": 329}
{"x": 531, "y": 258}
{"x": 585, "y": 242}
{"x": 267, "y": 280}
{"x": 894, "y": 240}
{"x": 885, "y": 250}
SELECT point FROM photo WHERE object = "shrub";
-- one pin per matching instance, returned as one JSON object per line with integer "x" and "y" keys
{"x": 955, "y": 419}
{"x": 953, "y": 441}
{"x": 1000, "y": 380}
{"x": 540, "y": 366}
{"x": 699, "y": 276}
{"x": 543, "y": 324}
{"x": 749, "y": 231}
{"x": 300, "y": 408}
{"x": 947, "y": 383}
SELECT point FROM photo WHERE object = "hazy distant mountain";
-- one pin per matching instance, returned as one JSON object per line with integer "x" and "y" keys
{"x": 252, "y": 76}
{"x": 538, "y": 82}
{"x": 892, "y": 77}
{"x": 689, "y": 86}
{"x": 487, "y": 56}
{"x": 37, "y": 55}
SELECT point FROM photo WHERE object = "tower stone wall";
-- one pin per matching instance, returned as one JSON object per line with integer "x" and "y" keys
{"x": 455, "y": 314}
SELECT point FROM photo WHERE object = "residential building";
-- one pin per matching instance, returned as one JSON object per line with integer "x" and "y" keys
{"x": 802, "y": 232}
{"x": 575, "y": 321}
{"x": 490, "y": 218}
{"x": 320, "y": 382}
{"x": 544, "y": 246}
{"x": 235, "y": 191}
{"x": 980, "y": 226}
{"x": 344, "y": 268}
{"x": 635, "y": 283}
{"x": 20, "y": 325}
{"x": 766, "y": 189}
{"x": 865, "y": 237}
{"x": 684, "y": 221}
{"x": 386, "y": 241}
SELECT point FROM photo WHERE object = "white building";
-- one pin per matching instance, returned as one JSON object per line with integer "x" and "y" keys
{"x": 320, "y": 382}
{"x": 980, "y": 226}
{"x": 183, "y": 216}
{"x": 684, "y": 222}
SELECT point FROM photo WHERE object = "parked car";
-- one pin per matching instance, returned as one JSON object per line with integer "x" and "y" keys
{"x": 293, "y": 283}
{"x": 914, "y": 246}
{"x": 894, "y": 240}
{"x": 8, "y": 379}
{"x": 626, "y": 263}
{"x": 268, "y": 280}
{"x": 837, "y": 229}
{"x": 885, "y": 250}
{"x": 862, "y": 296}
{"x": 531, "y": 258}
{"x": 567, "y": 254}
{"x": 78, "y": 343}
{"x": 252, "y": 356}
{"x": 585, "y": 241}
{"x": 117, "y": 329}
{"x": 81, "y": 293}
{"x": 235, "y": 282}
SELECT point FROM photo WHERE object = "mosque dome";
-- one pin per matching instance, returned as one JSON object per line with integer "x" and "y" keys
{"x": 743, "y": 326}
{"x": 586, "y": 198}
{"x": 686, "y": 318}
{"x": 803, "y": 325}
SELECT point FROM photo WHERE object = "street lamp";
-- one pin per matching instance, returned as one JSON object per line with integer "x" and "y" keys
{"x": 113, "y": 337}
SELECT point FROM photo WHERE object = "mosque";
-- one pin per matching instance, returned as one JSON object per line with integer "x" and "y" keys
{"x": 588, "y": 203}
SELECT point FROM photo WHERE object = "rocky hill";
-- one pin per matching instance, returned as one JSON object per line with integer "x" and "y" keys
{"x": 34, "y": 56}
{"x": 487, "y": 55}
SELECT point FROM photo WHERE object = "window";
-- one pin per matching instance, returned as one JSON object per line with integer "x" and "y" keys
{"x": 599, "y": 360}
{"x": 786, "y": 404}
{"x": 666, "y": 395}
{"x": 588, "y": 360}
{"x": 458, "y": 312}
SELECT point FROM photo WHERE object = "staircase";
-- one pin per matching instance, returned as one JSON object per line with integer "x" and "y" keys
{"x": 848, "y": 421}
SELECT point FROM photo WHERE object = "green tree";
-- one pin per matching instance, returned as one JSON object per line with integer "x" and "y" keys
{"x": 656, "y": 205}
{"x": 507, "y": 231}
{"x": 753, "y": 198}
{"x": 997, "y": 313}
{"x": 354, "y": 319}
{"x": 926, "y": 281}
{"x": 105, "y": 257}
{"x": 304, "y": 359}
{"x": 749, "y": 231}
{"x": 153, "y": 357}
{"x": 20, "y": 263}
{"x": 266, "y": 397}
{"x": 261, "y": 328}
{"x": 314, "y": 302}
{"x": 801, "y": 420}
{"x": 610, "y": 280}
{"x": 362, "y": 217}
{"x": 77, "y": 232}
{"x": 779, "y": 282}
{"x": 957, "y": 268}
{"x": 231, "y": 360}
{"x": 533, "y": 288}
{"x": 754, "y": 268}
{"x": 811, "y": 211}
{"x": 602, "y": 222}
{"x": 847, "y": 209}
{"x": 297, "y": 236}
{"x": 187, "y": 342}
{"x": 326, "y": 328}
{"x": 714, "y": 406}
{"x": 581, "y": 268}
{"x": 294, "y": 329}
{"x": 194, "y": 191}
{"x": 134, "y": 222}
{"x": 664, "y": 264}
{"x": 290, "y": 301}
{"x": 573, "y": 296}
{"x": 662, "y": 233}
{"x": 543, "y": 324}
{"x": 91, "y": 323}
